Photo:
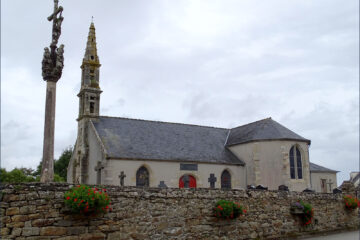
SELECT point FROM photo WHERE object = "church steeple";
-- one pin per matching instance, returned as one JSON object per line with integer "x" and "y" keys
{"x": 90, "y": 89}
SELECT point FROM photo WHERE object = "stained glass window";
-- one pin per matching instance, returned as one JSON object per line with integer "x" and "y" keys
{"x": 142, "y": 177}
{"x": 225, "y": 180}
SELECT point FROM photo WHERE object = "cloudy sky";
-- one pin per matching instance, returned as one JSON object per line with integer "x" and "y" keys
{"x": 217, "y": 63}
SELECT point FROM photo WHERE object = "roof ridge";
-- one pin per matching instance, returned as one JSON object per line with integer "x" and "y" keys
{"x": 186, "y": 124}
{"x": 269, "y": 118}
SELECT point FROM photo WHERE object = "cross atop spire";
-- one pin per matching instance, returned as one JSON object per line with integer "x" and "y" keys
{"x": 91, "y": 56}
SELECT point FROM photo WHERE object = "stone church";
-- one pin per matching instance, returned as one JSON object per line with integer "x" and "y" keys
{"x": 133, "y": 152}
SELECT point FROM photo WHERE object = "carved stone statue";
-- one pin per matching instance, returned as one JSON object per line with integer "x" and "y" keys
{"x": 53, "y": 61}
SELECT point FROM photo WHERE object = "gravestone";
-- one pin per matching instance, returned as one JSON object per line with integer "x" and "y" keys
{"x": 122, "y": 177}
{"x": 308, "y": 190}
{"x": 162, "y": 184}
{"x": 212, "y": 179}
{"x": 283, "y": 188}
{"x": 337, "y": 190}
{"x": 261, "y": 187}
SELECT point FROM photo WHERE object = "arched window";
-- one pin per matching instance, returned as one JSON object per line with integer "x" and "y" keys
{"x": 225, "y": 180}
{"x": 142, "y": 177}
{"x": 187, "y": 181}
{"x": 295, "y": 163}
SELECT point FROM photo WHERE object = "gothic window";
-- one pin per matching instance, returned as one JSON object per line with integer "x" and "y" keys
{"x": 295, "y": 163}
{"x": 142, "y": 177}
{"x": 225, "y": 180}
{"x": 187, "y": 181}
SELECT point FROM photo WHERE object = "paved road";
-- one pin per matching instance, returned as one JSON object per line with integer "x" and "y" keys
{"x": 339, "y": 236}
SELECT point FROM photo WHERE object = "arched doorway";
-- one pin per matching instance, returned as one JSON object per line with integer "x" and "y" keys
{"x": 225, "y": 180}
{"x": 187, "y": 181}
{"x": 142, "y": 177}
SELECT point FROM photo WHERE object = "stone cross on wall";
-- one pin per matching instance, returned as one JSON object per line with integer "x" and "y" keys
{"x": 122, "y": 177}
{"x": 98, "y": 169}
{"x": 212, "y": 179}
{"x": 186, "y": 180}
{"x": 330, "y": 183}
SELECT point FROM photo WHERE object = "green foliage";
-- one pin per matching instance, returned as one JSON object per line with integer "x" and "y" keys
{"x": 83, "y": 199}
{"x": 307, "y": 211}
{"x": 228, "y": 209}
{"x": 17, "y": 175}
{"x": 60, "y": 166}
{"x": 351, "y": 202}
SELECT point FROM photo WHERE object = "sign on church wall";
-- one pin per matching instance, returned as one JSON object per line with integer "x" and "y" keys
{"x": 188, "y": 167}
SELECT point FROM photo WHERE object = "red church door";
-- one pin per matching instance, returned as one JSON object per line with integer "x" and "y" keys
{"x": 187, "y": 181}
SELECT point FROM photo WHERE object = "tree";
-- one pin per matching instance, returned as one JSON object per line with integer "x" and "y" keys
{"x": 17, "y": 175}
{"x": 60, "y": 165}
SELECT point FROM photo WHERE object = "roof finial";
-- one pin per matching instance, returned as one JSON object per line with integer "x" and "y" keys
{"x": 92, "y": 19}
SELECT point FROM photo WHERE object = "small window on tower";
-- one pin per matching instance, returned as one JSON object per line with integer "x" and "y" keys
{"x": 92, "y": 57}
{"x": 92, "y": 105}
{"x": 92, "y": 39}
{"x": 91, "y": 70}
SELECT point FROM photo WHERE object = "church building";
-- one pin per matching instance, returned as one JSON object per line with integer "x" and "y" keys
{"x": 133, "y": 152}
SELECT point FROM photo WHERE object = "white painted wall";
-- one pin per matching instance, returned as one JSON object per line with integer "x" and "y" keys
{"x": 316, "y": 180}
{"x": 95, "y": 156}
{"x": 170, "y": 173}
{"x": 267, "y": 163}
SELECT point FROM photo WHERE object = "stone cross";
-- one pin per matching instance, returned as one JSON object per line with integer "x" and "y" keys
{"x": 186, "y": 180}
{"x": 162, "y": 184}
{"x": 98, "y": 169}
{"x": 122, "y": 176}
{"x": 330, "y": 183}
{"x": 52, "y": 65}
{"x": 212, "y": 179}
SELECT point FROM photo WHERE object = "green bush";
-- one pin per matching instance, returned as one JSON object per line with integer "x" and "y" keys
{"x": 228, "y": 209}
{"x": 83, "y": 199}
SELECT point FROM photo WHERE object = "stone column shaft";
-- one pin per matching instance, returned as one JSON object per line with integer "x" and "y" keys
{"x": 47, "y": 172}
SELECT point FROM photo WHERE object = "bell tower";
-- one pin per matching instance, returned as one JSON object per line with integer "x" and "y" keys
{"x": 89, "y": 106}
{"x": 89, "y": 94}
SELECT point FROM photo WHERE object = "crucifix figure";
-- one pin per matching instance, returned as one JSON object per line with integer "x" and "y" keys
{"x": 98, "y": 169}
{"x": 330, "y": 183}
{"x": 122, "y": 177}
{"x": 212, "y": 179}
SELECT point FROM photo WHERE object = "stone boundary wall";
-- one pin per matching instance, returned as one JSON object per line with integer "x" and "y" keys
{"x": 36, "y": 211}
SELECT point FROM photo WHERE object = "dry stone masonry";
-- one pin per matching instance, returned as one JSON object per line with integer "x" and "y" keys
{"x": 36, "y": 211}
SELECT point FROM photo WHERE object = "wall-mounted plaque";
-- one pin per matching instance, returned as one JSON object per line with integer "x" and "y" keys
{"x": 188, "y": 166}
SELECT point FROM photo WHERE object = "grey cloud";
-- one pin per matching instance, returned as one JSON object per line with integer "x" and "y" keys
{"x": 206, "y": 62}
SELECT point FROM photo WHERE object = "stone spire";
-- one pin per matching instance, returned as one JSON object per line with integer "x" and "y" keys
{"x": 90, "y": 89}
{"x": 91, "y": 57}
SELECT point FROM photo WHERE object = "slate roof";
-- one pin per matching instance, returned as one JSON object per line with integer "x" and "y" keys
{"x": 125, "y": 138}
{"x": 317, "y": 168}
{"x": 266, "y": 129}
